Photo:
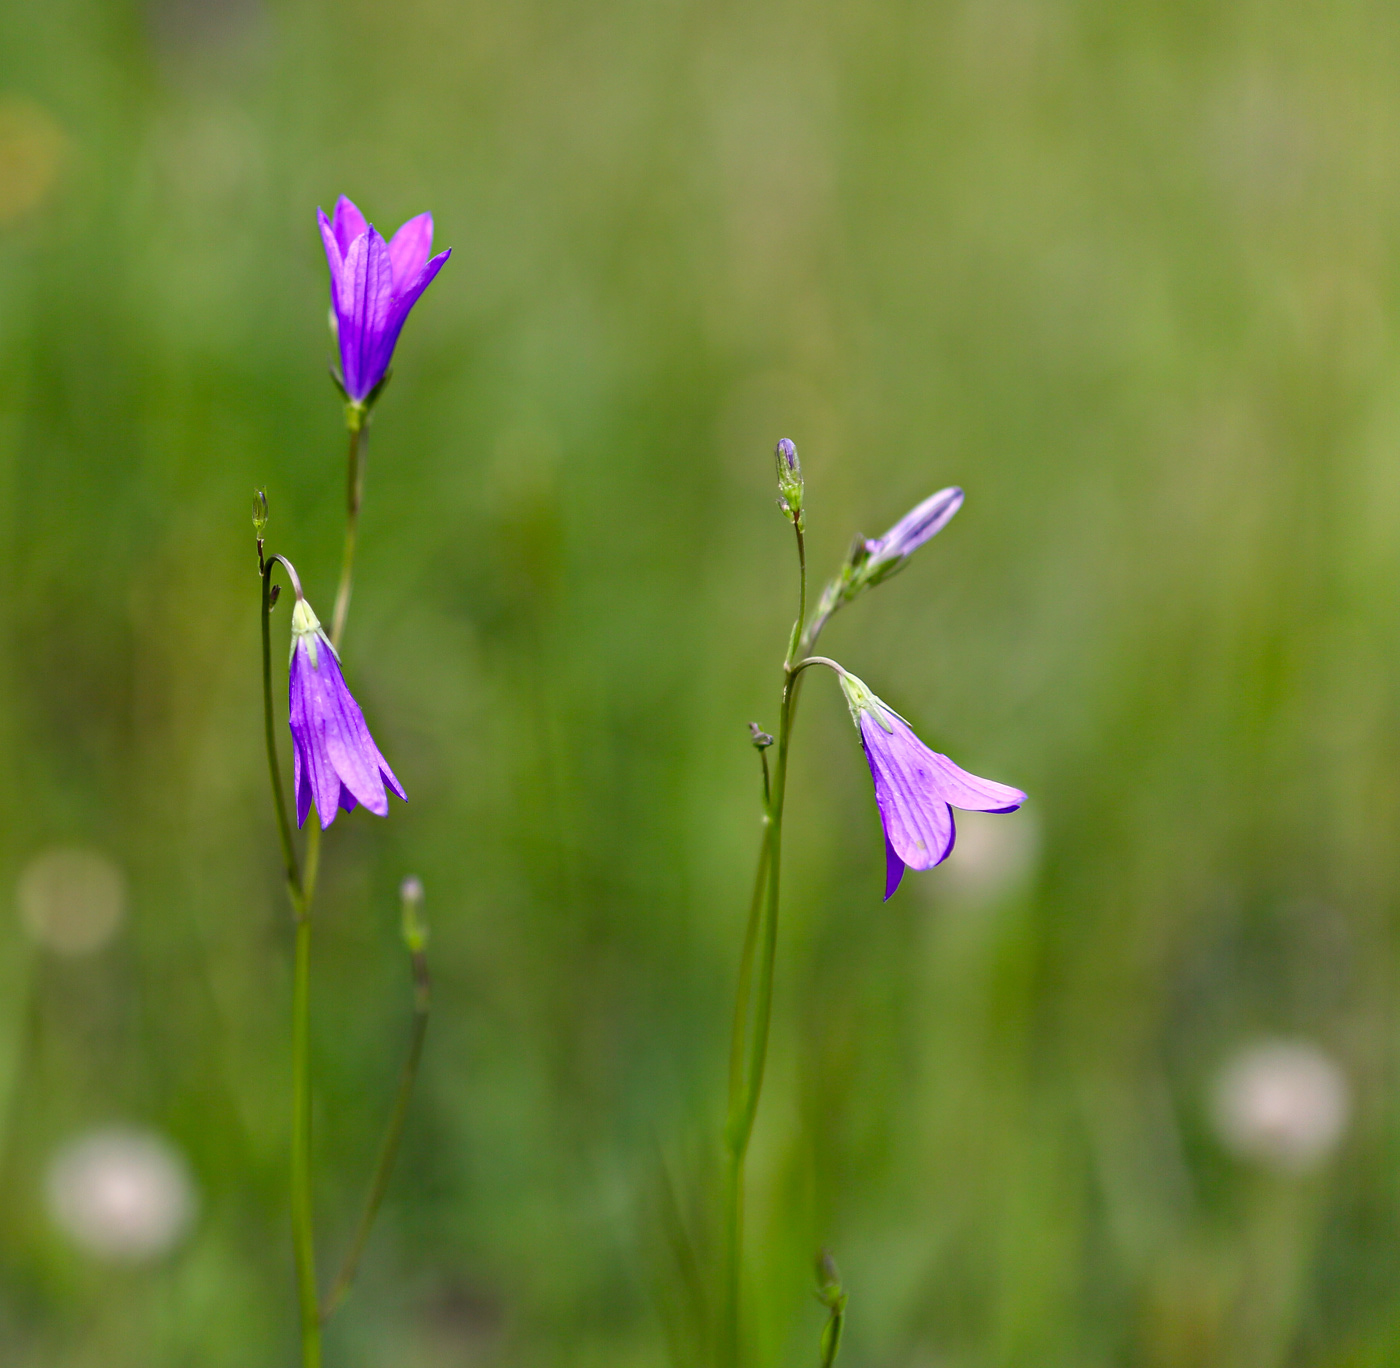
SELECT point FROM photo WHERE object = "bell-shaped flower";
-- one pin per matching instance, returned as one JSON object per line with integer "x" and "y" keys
{"x": 335, "y": 761}
{"x": 916, "y": 789}
{"x": 374, "y": 284}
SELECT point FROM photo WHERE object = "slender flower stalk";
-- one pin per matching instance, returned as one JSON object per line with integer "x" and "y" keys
{"x": 753, "y": 1008}
{"x": 415, "y": 938}
{"x": 914, "y": 788}
{"x": 336, "y": 764}
{"x": 303, "y": 1238}
{"x": 358, "y": 423}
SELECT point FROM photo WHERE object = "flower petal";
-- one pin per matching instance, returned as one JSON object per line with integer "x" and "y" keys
{"x": 335, "y": 258}
{"x": 350, "y": 747}
{"x": 923, "y": 521}
{"x": 409, "y": 248}
{"x": 917, "y": 820}
{"x": 403, "y": 304}
{"x": 894, "y": 869}
{"x": 349, "y": 224}
{"x": 301, "y": 784}
{"x": 970, "y": 792}
{"x": 306, "y": 714}
{"x": 366, "y": 310}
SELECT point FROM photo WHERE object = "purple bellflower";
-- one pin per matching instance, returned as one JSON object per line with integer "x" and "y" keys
{"x": 916, "y": 789}
{"x": 335, "y": 760}
{"x": 374, "y": 284}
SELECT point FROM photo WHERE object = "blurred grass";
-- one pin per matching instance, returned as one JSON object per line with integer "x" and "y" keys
{"x": 1125, "y": 272}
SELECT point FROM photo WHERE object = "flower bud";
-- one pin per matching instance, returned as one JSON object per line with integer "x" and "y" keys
{"x": 260, "y": 512}
{"x": 761, "y": 739}
{"x": 789, "y": 480}
{"x": 829, "y": 1289}
{"x": 414, "y": 928}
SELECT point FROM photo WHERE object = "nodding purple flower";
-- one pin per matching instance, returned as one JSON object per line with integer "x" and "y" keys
{"x": 374, "y": 284}
{"x": 335, "y": 760}
{"x": 916, "y": 789}
{"x": 889, "y": 553}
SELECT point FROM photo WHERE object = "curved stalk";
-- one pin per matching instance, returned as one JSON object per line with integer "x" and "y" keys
{"x": 303, "y": 1241}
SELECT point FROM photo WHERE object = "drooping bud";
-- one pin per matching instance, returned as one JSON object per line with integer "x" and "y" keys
{"x": 761, "y": 739}
{"x": 414, "y": 928}
{"x": 789, "y": 480}
{"x": 259, "y": 512}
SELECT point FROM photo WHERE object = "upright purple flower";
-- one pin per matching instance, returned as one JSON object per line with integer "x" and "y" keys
{"x": 335, "y": 760}
{"x": 374, "y": 284}
{"x": 916, "y": 789}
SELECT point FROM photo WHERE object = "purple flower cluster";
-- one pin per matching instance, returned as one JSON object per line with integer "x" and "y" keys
{"x": 374, "y": 284}
{"x": 335, "y": 761}
{"x": 916, "y": 789}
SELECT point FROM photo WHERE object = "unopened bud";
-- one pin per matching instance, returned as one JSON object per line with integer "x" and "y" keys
{"x": 789, "y": 479}
{"x": 829, "y": 1289}
{"x": 260, "y": 511}
{"x": 272, "y": 595}
{"x": 415, "y": 929}
{"x": 761, "y": 739}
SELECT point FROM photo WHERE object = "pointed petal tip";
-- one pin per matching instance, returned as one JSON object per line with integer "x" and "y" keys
{"x": 392, "y": 782}
{"x": 409, "y": 249}
{"x": 894, "y": 869}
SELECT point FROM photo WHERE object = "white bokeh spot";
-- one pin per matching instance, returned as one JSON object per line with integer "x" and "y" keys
{"x": 1281, "y": 1103}
{"x": 71, "y": 900}
{"x": 121, "y": 1194}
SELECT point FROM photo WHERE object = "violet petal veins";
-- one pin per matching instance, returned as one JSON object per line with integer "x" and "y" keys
{"x": 916, "y": 789}
{"x": 374, "y": 285}
{"x": 334, "y": 759}
{"x": 888, "y": 553}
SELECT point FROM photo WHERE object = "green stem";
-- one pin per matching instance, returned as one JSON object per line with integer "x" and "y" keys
{"x": 302, "y": 1241}
{"x": 274, "y": 773}
{"x": 302, "y": 1233}
{"x": 753, "y": 1010}
{"x": 735, "y": 1142}
{"x": 742, "y": 999}
{"x": 388, "y": 1152}
{"x": 354, "y": 495}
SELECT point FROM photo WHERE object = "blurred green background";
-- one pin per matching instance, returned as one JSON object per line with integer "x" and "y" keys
{"x": 1125, "y": 271}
